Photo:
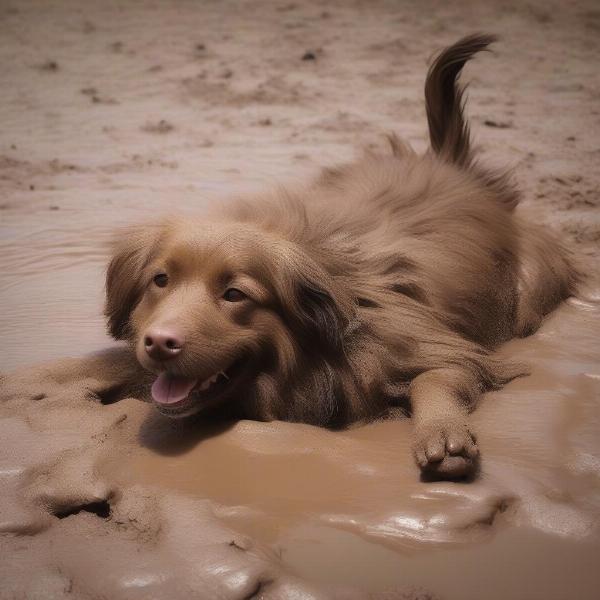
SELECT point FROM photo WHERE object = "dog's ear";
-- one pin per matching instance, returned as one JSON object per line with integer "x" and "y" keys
{"x": 124, "y": 284}
{"x": 313, "y": 304}
{"x": 319, "y": 313}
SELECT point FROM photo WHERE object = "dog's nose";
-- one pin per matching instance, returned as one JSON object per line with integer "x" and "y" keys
{"x": 162, "y": 344}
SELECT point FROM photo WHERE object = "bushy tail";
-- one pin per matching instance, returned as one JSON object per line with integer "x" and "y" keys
{"x": 448, "y": 130}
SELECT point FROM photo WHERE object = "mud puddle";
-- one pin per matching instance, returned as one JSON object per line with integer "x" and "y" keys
{"x": 518, "y": 563}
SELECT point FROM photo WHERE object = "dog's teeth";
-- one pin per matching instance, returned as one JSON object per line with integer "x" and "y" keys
{"x": 212, "y": 380}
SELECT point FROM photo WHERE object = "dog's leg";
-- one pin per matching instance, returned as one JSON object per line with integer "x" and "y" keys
{"x": 106, "y": 376}
{"x": 547, "y": 276}
{"x": 444, "y": 447}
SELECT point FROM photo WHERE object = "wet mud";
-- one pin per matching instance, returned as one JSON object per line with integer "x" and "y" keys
{"x": 91, "y": 488}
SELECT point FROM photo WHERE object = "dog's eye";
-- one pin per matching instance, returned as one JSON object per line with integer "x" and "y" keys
{"x": 161, "y": 279}
{"x": 234, "y": 295}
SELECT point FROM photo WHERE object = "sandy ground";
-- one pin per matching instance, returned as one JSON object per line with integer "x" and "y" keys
{"x": 120, "y": 112}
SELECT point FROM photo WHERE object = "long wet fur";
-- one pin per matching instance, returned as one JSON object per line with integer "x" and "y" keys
{"x": 378, "y": 271}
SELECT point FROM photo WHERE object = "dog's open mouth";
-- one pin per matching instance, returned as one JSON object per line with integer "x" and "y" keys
{"x": 173, "y": 393}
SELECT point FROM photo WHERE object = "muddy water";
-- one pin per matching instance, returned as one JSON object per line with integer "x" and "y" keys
{"x": 348, "y": 507}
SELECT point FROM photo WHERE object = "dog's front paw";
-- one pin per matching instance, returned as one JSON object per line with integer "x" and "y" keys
{"x": 446, "y": 450}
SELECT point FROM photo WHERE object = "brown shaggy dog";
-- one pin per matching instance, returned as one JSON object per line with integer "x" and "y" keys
{"x": 384, "y": 282}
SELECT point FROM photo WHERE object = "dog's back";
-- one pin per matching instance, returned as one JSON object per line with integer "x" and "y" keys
{"x": 437, "y": 229}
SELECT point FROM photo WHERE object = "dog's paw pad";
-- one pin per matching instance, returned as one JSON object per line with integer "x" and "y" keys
{"x": 446, "y": 451}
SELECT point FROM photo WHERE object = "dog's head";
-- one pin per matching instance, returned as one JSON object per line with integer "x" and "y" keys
{"x": 217, "y": 309}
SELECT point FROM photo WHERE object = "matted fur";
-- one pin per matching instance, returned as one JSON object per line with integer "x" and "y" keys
{"x": 379, "y": 271}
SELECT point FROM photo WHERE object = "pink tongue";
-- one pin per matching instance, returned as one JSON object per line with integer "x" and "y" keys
{"x": 169, "y": 389}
